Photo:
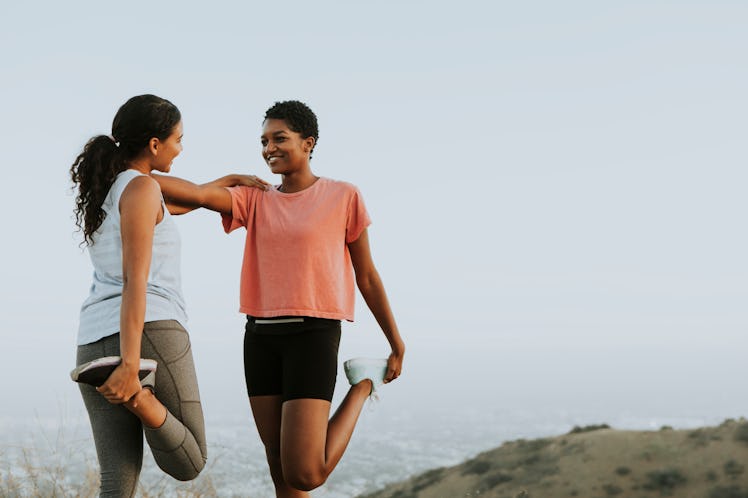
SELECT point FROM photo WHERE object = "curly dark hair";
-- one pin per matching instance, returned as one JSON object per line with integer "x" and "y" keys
{"x": 298, "y": 116}
{"x": 138, "y": 120}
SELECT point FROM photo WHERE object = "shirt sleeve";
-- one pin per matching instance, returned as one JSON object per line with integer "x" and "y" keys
{"x": 241, "y": 198}
{"x": 357, "y": 217}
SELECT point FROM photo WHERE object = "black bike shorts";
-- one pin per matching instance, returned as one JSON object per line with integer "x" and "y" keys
{"x": 295, "y": 357}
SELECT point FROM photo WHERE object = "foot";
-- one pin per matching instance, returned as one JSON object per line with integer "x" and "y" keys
{"x": 149, "y": 381}
{"x": 360, "y": 369}
{"x": 96, "y": 372}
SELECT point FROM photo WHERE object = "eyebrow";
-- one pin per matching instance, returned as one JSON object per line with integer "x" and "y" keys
{"x": 275, "y": 133}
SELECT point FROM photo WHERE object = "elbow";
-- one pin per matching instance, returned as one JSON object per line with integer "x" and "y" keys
{"x": 132, "y": 283}
{"x": 367, "y": 281}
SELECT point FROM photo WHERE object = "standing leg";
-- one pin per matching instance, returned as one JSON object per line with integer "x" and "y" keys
{"x": 267, "y": 414}
{"x": 117, "y": 433}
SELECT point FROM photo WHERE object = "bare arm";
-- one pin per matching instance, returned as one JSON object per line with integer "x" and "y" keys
{"x": 372, "y": 289}
{"x": 140, "y": 210}
{"x": 182, "y": 196}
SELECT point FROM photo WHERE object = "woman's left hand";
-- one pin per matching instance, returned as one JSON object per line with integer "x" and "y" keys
{"x": 394, "y": 366}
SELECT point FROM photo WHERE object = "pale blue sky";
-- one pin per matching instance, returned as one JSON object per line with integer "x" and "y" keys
{"x": 557, "y": 189}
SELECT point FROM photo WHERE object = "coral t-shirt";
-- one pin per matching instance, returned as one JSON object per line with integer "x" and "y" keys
{"x": 296, "y": 259}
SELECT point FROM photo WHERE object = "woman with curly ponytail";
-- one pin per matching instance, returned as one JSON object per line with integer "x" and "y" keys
{"x": 135, "y": 368}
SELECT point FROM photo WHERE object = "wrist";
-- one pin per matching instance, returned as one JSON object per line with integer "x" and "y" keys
{"x": 130, "y": 364}
{"x": 398, "y": 348}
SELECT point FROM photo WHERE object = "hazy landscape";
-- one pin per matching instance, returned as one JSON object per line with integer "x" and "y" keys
{"x": 558, "y": 199}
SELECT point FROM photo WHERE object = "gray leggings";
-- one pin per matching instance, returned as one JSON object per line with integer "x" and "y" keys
{"x": 178, "y": 446}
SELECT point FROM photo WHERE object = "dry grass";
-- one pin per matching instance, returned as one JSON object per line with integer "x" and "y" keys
{"x": 63, "y": 465}
{"x": 30, "y": 475}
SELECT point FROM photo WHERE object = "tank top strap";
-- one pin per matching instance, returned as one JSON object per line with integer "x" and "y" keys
{"x": 111, "y": 204}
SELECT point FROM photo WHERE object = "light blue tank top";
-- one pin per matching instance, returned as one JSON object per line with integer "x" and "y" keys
{"x": 100, "y": 313}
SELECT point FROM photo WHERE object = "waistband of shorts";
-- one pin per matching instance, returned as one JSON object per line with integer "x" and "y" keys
{"x": 280, "y": 320}
{"x": 288, "y": 324}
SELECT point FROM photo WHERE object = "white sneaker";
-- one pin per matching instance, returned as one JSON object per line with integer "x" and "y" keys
{"x": 358, "y": 369}
{"x": 96, "y": 372}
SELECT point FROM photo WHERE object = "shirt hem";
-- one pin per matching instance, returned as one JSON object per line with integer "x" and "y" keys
{"x": 332, "y": 315}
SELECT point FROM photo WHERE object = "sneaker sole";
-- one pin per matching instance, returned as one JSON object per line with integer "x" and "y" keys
{"x": 96, "y": 372}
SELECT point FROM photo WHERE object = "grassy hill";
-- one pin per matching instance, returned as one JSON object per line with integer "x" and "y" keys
{"x": 598, "y": 462}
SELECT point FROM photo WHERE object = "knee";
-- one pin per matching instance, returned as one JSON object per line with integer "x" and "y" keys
{"x": 305, "y": 480}
{"x": 188, "y": 472}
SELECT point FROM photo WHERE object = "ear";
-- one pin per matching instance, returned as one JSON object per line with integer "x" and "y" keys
{"x": 153, "y": 145}
{"x": 309, "y": 144}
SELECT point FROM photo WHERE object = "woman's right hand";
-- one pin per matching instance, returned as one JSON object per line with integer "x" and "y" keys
{"x": 123, "y": 383}
{"x": 252, "y": 181}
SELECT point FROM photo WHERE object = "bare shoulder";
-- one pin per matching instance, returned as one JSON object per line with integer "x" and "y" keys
{"x": 141, "y": 189}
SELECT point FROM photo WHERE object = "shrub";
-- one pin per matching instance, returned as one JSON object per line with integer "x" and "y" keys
{"x": 490, "y": 481}
{"x": 427, "y": 479}
{"x": 733, "y": 469}
{"x": 728, "y": 492}
{"x": 534, "y": 445}
{"x": 623, "y": 471}
{"x": 664, "y": 480}
{"x": 612, "y": 489}
{"x": 702, "y": 437}
{"x": 588, "y": 428}
{"x": 741, "y": 433}
{"x": 476, "y": 466}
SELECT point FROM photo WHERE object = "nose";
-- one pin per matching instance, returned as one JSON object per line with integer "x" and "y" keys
{"x": 269, "y": 147}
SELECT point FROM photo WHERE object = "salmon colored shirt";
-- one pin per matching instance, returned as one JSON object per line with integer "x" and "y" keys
{"x": 296, "y": 259}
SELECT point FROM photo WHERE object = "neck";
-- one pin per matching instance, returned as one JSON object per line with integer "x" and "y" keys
{"x": 141, "y": 165}
{"x": 296, "y": 182}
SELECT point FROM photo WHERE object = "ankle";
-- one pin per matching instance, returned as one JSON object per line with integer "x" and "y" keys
{"x": 147, "y": 408}
{"x": 366, "y": 386}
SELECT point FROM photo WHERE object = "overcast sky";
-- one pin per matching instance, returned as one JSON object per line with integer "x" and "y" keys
{"x": 557, "y": 188}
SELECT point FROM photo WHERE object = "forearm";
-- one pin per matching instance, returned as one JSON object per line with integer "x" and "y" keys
{"x": 132, "y": 318}
{"x": 374, "y": 295}
{"x": 179, "y": 191}
{"x": 185, "y": 194}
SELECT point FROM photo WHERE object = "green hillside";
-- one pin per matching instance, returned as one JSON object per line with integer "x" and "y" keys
{"x": 598, "y": 462}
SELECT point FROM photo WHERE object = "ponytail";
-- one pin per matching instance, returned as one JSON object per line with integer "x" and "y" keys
{"x": 93, "y": 172}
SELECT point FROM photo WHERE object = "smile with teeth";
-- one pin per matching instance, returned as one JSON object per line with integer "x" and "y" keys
{"x": 272, "y": 159}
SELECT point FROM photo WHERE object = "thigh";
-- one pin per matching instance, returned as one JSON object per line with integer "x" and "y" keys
{"x": 262, "y": 364}
{"x": 310, "y": 364}
{"x": 167, "y": 342}
{"x": 303, "y": 434}
{"x": 266, "y": 411}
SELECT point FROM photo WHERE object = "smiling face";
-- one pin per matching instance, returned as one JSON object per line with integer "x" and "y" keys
{"x": 283, "y": 149}
{"x": 165, "y": 151}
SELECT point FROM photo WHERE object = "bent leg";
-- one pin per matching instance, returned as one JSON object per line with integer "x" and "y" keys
{"x": 310, "y": 444}
{"x": 267, "y": 414}
{"x": 178, "y": 445}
